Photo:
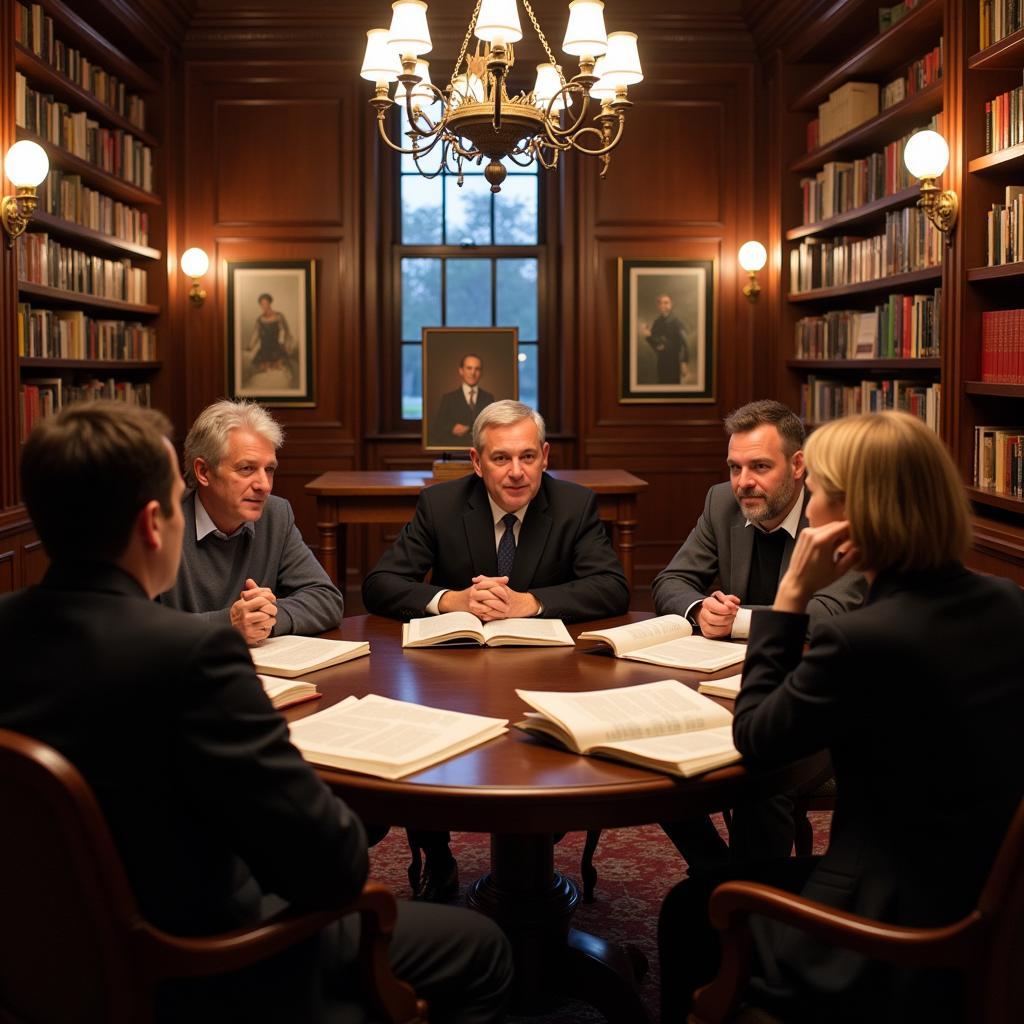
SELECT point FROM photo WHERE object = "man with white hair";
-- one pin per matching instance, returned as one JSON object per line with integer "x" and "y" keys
{"x": 244, "y": 561}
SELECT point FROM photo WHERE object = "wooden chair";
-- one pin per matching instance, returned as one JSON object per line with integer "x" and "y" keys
{"x": 986, "y": 946}
{"x": 75, "y": 947}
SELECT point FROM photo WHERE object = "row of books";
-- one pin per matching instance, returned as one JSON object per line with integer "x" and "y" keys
{"x": 43, "y": 260}
{"x": 850, "y": 105}
{"x": 111, "y": 149}
{"x": 40, "y": 398}
{"x": 33, "y": 28}
{"x": 1002, "y": 346}
{"x": 842, "y": 185}
{"x": 824, "y": 400}
{"x": 64, "y": 196}
{"x": 997, "y": 460}
{"x": 902, "y": 327}
{"x": 911, "y": 242}
{"x": 71, "y": 334}
{"x": 1005, "y": 223}
{"x": 998, "y": 19}
{"x": 1004, "y": 120}
{"x": 925, "y": 71}
{"x": 889, "y": 16}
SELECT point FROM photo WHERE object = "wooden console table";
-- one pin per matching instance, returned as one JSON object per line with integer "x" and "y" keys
{"x": 367, "y": 497}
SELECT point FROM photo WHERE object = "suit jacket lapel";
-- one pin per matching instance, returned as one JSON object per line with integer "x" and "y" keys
{"x": 533, "y": 536}
{"x": 479, "y": 528}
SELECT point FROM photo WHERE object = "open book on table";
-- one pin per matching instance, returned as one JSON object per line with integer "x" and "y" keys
{"x": 663, "y": 725}
{"x": 668, "y": 640}
{"x": 463, "y": 628}
{"x": 388, "y": 738}
{"x": 283, "y": 693}
{"x": 292, "y": 656}
{"x": 728, "y": 687}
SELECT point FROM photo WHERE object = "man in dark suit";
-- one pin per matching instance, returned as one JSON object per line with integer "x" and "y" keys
{"x": 506, "y": 542}
{"x": 217, "y": 817}
{"x": 453, "y": 424}
{"x": 742, "y": 543}
{"x": 665, "y": 335}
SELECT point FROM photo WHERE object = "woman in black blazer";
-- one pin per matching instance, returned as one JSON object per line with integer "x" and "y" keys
{"x": 919, "y": 697}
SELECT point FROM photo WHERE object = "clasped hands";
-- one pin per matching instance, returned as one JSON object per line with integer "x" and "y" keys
{"x": 490, "y": 598}
{"x": 255, "y": 612}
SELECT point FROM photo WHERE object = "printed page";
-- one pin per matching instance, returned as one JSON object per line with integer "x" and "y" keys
{"x": 624, "y": 639}
{"x": 295, "y": 653}
{"x": 548, "y": 631}
{"x": 628, "y": 712}
{"x": 434, "y": 627}
{"x": 684, "y": 753}
{"x": 378, "y": 732}
{"x": 692, "y": 652}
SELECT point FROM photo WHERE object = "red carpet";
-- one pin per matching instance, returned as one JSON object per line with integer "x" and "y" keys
{"x": 636, "y": 867}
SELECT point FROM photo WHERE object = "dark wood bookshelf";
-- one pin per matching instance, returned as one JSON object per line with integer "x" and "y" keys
{"x": 866, "y": 365}
{"x": 80, "y": 299}
{"x": 1009, "y": 159}
{"x": 877, "y": 133}
{"x": 986, "y": 496}
{"x": 981, "y": 387}
{"x": 878, "y": 286}
{"x": 1003, "y": 272}
{"x": 110, "y": 184}
{"x": 864, "y": 214}
{"x": 43, "y": 74}
{"x": 1006, "y": 54}
{"x": 906, "y": 41}
{"x": 118, "y": 365}
{"x": 68, "y": 229}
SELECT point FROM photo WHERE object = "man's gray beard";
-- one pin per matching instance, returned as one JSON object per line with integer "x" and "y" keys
{"x": 775, "y": 504}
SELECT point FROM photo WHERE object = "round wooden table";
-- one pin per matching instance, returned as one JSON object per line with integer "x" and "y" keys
{"x": 523, "y": 791}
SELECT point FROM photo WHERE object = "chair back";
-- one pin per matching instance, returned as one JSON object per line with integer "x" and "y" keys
{"x": 67, "y": 909}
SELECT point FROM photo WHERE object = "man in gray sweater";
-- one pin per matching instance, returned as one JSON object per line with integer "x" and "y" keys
{"x": 244, "y": 561}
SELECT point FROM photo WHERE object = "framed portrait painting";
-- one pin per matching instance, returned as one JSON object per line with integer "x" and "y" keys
{"x": 667, "y": 330}
{"x": 271, "y": 331}
{"x": 464, "y": 370}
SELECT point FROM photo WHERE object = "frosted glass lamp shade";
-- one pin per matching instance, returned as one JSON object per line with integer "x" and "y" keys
{"x": 380, "y": 62}
{"x": 498, "y": 22}
{"x": 622, "y": 61}
{"x": 194, "y": 262}
{"x": 26, "y": 164}
{"x": 601, "y": 90}
{"x": 585, "y": 35}
{"x": 420, "y": 93}
{"x": 467, "y": 89}
{"x": 752, "y": 256}
{"x": 409, "y": 34}
{"x": 547, "y": 85}
{"x": 926, "y": 154}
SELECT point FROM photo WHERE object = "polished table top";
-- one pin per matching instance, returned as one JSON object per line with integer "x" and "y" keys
{"x": 340, "y": 483}
{"x": 517, "y": 783}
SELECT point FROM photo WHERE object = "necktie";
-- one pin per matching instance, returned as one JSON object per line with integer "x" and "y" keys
{"x": 507, "y": 546}
{"x": 472, "y": 399}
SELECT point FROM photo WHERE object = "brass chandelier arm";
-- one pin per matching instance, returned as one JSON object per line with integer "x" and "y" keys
{"x": 550, "y": 117}
{"x": 382, "y": 131}
{"x": 465, "y": 43}
{"x": 414, "y": 114}
{"x": 609, "y": 142}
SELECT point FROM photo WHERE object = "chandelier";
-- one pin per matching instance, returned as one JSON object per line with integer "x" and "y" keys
{"x": 474, "y": 116}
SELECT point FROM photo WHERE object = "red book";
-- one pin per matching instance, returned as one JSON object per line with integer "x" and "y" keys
{"x": 986, "y": 346}
{"x": 908, "y": 324}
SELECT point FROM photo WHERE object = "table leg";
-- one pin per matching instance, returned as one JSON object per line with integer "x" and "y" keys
{"x": 534, "y": 904}
{"x": 623, "y": 530}
{"x": 332, "y": 538}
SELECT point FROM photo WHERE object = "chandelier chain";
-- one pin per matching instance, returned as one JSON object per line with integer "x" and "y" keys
{"x": 465, "y": 42}
{"x": 543, "y": 41}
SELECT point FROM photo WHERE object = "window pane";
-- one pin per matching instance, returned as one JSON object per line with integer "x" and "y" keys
{"x": 421, "y": 210}
{"x": 515, "y": 211}
{"x": 421, "y": 297}
{"x": 412, "y": 382}
{"x": 467, "y": 211}
{"x": 528, "y": 375}
{"x": 430, "y": 162}
{"x": 517, "y": 296}
{"x": 468, "y": 294}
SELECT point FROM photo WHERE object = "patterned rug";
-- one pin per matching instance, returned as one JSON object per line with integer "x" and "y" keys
{"x": 636, "y": 867}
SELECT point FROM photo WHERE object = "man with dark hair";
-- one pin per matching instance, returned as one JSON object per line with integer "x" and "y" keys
{"x": 742, "y": 544}
{"x": 217, "y": 817}
{"x": 454, "y": 420}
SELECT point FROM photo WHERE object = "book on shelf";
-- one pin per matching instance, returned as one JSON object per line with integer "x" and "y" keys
{"x": 822, "y": 400}
{"x": 850, "y": 105}
{"x": 1005, "y": 223}
{"x": 664, "y": 725}
{"x": 64, "y": 195}
{"x": 997, "y": 459}
{"x": 71, "y": 334}
{"x": 890, "y": 16}
{"x": 283, "y": 693}
{"x": 1004, "y": 120}
{"x": 727, "y": 687}
{"x": 44, "y": 260}
{"x": 292, "y": 656}
{"x": 998, "y": 19}
{"x": 461, "y": 628}
{"x": 389, "y": 738}
{"x": 1002, "y": 346}
{"x": 667, "y": 640}
{"x": 41, "y": 397}
{"x": 921, "y": 73}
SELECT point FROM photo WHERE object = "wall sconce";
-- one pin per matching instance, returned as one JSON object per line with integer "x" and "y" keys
{"x": 195, "y": 263}
{"x": 926, "y": 156}
{"x": 26, "y": 165}
{"x": 752, "y": 256}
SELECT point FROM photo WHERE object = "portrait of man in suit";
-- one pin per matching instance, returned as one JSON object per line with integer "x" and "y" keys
{"x": 453, "y": 423}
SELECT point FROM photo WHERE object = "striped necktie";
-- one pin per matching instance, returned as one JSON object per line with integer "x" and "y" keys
{"x": 507, "y": 546}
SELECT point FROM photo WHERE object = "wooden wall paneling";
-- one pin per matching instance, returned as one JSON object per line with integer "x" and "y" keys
{"x": 8, "y": 568}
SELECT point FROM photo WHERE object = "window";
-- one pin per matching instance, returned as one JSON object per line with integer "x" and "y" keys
{"x": 467, "y": 258}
